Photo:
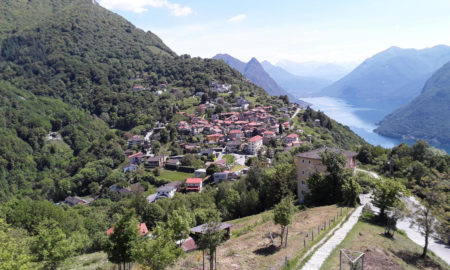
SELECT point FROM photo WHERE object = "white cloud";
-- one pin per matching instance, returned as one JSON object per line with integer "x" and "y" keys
{"x": 140, "y": 6}
{"x": 237, "y": 18}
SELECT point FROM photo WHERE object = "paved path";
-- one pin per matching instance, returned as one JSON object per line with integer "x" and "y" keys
{"x": 295, "y": 114}
{"x": 321, "y": 254}
{"x": 369, "y": 172}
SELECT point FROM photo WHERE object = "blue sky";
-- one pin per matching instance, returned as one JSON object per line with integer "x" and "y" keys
{"x": 298, "y": 30}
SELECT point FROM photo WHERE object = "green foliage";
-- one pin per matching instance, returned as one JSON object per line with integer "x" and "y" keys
{"x": 159, "y": 252}
{"x": 52, "y": 245}
{"x": 14, "y": 249}
{"x": 283, "y": 214}
{"x": 337, "y": 186}
{"x": 179, "y": 222}
{"x": 122, "y": 240}
{"x": 387, "y": 195}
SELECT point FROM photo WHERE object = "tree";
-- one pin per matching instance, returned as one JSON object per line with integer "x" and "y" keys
{"x": 210, "y": 239}
{"x": 213, "y": 168}
{"x": 350, "y": 191}
{"x": 179, "y": 223}
{"x": 283, "y": 214}
{"x": 159, "y": 252}
{"x": 14, "y": 251}
{"x": 122, "y": 240}
{"x": 426, "y": 223}
{"x": 387, "y": 194}
{"x": 52, "y": 245}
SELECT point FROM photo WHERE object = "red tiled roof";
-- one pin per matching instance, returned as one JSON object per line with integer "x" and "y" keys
{"x": 292, "y": 135}
{"x": 268, "y": 132}
{"x": 189, "y": 245}
{"x": 141, "y": 227}
{"x": 194, "y": 180}
{"x": 255, "y": 139}
{"x": 136, "y": 155}
{"x": 235, "y": 131}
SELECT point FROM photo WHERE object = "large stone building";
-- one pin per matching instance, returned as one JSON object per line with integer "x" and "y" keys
{"x": 310, "y": 162}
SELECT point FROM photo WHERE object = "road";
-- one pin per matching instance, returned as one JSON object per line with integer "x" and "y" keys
{"x": 440, "y": 249}
{"x": 369, "y": 172}
{"x": 295, "y": 114}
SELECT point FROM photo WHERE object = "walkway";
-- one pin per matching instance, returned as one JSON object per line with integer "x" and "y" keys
{"x": 321, "y": 254}
{"x": 295, "y": 114}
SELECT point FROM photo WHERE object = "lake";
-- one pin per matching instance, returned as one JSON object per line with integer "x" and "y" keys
{"x": 361, "y": 120}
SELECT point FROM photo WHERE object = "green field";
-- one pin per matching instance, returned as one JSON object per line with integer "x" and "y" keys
{"x": 93, "y": 261}
{"x": 174, "y": 175}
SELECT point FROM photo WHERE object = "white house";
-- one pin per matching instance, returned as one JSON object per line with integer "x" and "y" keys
{"x": 167, "y": 191}
{"x": 254, "y": 144}
{"x": 200, "y": 173}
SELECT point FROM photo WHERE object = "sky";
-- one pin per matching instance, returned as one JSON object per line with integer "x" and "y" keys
{"x": 332, "y": 31}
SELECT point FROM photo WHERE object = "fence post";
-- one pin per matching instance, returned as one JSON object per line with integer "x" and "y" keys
{"x": 312, "y": 235}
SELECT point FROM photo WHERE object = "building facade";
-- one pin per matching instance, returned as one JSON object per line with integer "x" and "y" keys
{"x": 310, "y": 162}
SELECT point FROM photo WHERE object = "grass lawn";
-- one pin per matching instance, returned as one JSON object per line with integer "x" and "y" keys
{"x": 382, "y": 252}
{"x": 174, "y": 175}
{"x": 249, "y": 248}
{"x": 229, "y": 158}
{"x": 93, "y": 261}
{"x": 238, "y": 168}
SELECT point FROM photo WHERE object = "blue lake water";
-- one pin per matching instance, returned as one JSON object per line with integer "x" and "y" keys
{"x": 361, "y": 120}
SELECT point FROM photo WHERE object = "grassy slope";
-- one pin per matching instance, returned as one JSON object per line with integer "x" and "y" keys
{"x": 382, "y": 252}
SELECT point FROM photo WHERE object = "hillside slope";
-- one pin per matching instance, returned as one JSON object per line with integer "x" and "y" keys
{"x": 299, "y": 86}
{"x": 390, "y": 78}
{"x": 427, "y": 116}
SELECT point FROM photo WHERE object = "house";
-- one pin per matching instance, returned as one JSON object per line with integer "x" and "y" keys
{"x": 138, "y": 88}
{"x": 317, "y": 122}
{"x": 254, "y": 144}
{"x": 291, "y": 138}
{"x": 72, "y": 201}
{"x": 151, "y": 198}
{"x": 200, "y": 173}
{"x": 235, "y": 134}
{"x": 136, "y": 158}
{"x": 286, "y": 126}
{"x": 130, "y": 167}
{"x": 202, "y": 229}
{"x": 166, "y": 191}
{"x": 142, "y": 230}
{"x": 214, "y": 138}
{"x": 310, "y": 162}
{"x": 155, "y": 162}
{"x": 188, "y": 245}
{"x": 172, "y": 164}
{"x": 221, "y": 176}
{"x": 136, "y": 140}
{"x": 267, "y": 135}
{"x": 194, "y": 184}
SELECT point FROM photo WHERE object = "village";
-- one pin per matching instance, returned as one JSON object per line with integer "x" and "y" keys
{"x": 215, "y": 149}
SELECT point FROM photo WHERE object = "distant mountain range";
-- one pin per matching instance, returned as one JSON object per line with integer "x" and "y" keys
{"x": 389, "y": 79}
{"x": 322, "y": 70}
{"x": 425, "y": 117}
{"x": 254, "y": 71}
{"x": 299, "y": 86}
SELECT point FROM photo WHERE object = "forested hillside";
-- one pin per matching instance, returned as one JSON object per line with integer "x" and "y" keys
{"x": 426, "y": 116}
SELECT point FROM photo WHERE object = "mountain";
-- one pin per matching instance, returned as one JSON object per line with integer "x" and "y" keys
{"x": 70, "y": 67}
{"x": 425, "y": 117}
{"x": 327, "y": 71}
{"x": 254, "y": 71}
{"x": 390, "y": 78}
{"x": 299, "y": 86}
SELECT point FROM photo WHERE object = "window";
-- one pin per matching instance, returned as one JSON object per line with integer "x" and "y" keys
{"x": 309, "y": 161}
{"x": 303, "y": 183}
{"x": 303, "y": 161}
{"x": 303, "y": 172}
